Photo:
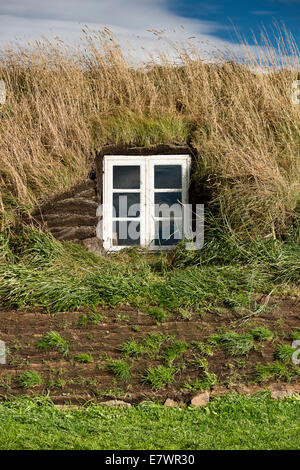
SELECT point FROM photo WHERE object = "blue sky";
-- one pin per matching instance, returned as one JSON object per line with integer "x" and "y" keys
{"x": 131, "y": 20}
{"x": 246, "y": 15}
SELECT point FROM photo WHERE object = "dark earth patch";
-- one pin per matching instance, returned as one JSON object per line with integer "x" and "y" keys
{"x": 68, "y": 381}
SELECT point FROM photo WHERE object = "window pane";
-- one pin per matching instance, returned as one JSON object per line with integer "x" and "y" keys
{"x": 126, "y": 204}
{"x": 167, "y": 204}
{"x": 126, "y": 233}
{"x": 167, "y": 232}
{"x": 126, "y": 177}
{"x": 167, "y": 176}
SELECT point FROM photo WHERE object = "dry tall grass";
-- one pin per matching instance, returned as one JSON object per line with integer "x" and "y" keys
{"x": 62, "y": 105}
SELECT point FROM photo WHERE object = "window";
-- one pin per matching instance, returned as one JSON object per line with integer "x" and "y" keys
{"x": 143, "y": 199}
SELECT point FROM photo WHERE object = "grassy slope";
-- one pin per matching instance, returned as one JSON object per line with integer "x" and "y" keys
{"x": 226, "y": 423}
{"x": 37, "y": 270}
{"x": 63, "y": 104}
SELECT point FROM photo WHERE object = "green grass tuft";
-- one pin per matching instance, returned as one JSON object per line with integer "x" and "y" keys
{"x": 124, "y": 128}
{"x": 273, "y": 371}
{"x": 159, "y": 376}
{"x": 203, "y": 348}
{"x": 83, "y": 358}
{"x": 174, "y": 351}
{"x": 283, "y": 353}
{"x": 157, "y": 313}
{"x": 132, "y": 348}
{"x": 28, "y": 379}
{"x": 261, "y": 333}
{"x": 119, "y": 368}
{"x": 235, "y": 344}
{"x": 204, "y": 383}
{"x": 150, "y": 345}
{"x": 295, "y": 334}
{"x": 53, "y": 340}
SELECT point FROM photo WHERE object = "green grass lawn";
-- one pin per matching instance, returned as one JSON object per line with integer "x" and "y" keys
{"x": 230, "y": 422}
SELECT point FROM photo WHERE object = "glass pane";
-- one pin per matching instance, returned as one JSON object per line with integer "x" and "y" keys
{"x": 126, "y": 204}
{"x": 167, "y": 204}
{"x": 167, "y": 232}
{"x": 167, "y": 176}
{"x": 126, "y": 177}
{"x": 126, "y": 233}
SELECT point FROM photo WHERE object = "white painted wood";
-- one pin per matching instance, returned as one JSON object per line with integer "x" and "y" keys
{"x": 147, "y": 215}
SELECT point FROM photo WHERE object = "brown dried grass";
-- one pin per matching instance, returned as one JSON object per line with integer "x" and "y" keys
{"x": 63, "y": 104}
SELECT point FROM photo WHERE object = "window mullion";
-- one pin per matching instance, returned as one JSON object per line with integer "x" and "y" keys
{"x": 147, "y": 204}
{"x": 150, "y": 200}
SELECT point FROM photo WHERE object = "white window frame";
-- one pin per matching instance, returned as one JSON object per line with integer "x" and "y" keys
{"x": 147, "y": 191}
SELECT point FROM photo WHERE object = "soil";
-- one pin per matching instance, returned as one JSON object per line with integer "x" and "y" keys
{"x": 67, "y": 381}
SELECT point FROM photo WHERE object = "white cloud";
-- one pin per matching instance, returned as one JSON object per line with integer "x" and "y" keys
{"x": 127, "y": 19}
{"x": 126, "y": 13}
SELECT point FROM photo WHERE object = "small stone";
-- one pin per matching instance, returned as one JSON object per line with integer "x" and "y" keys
{"x": 219, "y": 390}
{"x": 115, "y": 403}
{"x": 242, "y": 389}
{"x": 93, "y": 244}
{"x": 281, "y": 394}
{"x": 201, "y": 399}
{"x": 67, "y": 407}
{"x": 169, "y": 403}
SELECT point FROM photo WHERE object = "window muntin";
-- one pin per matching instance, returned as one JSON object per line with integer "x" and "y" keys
{"x": 132, "y": 188}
